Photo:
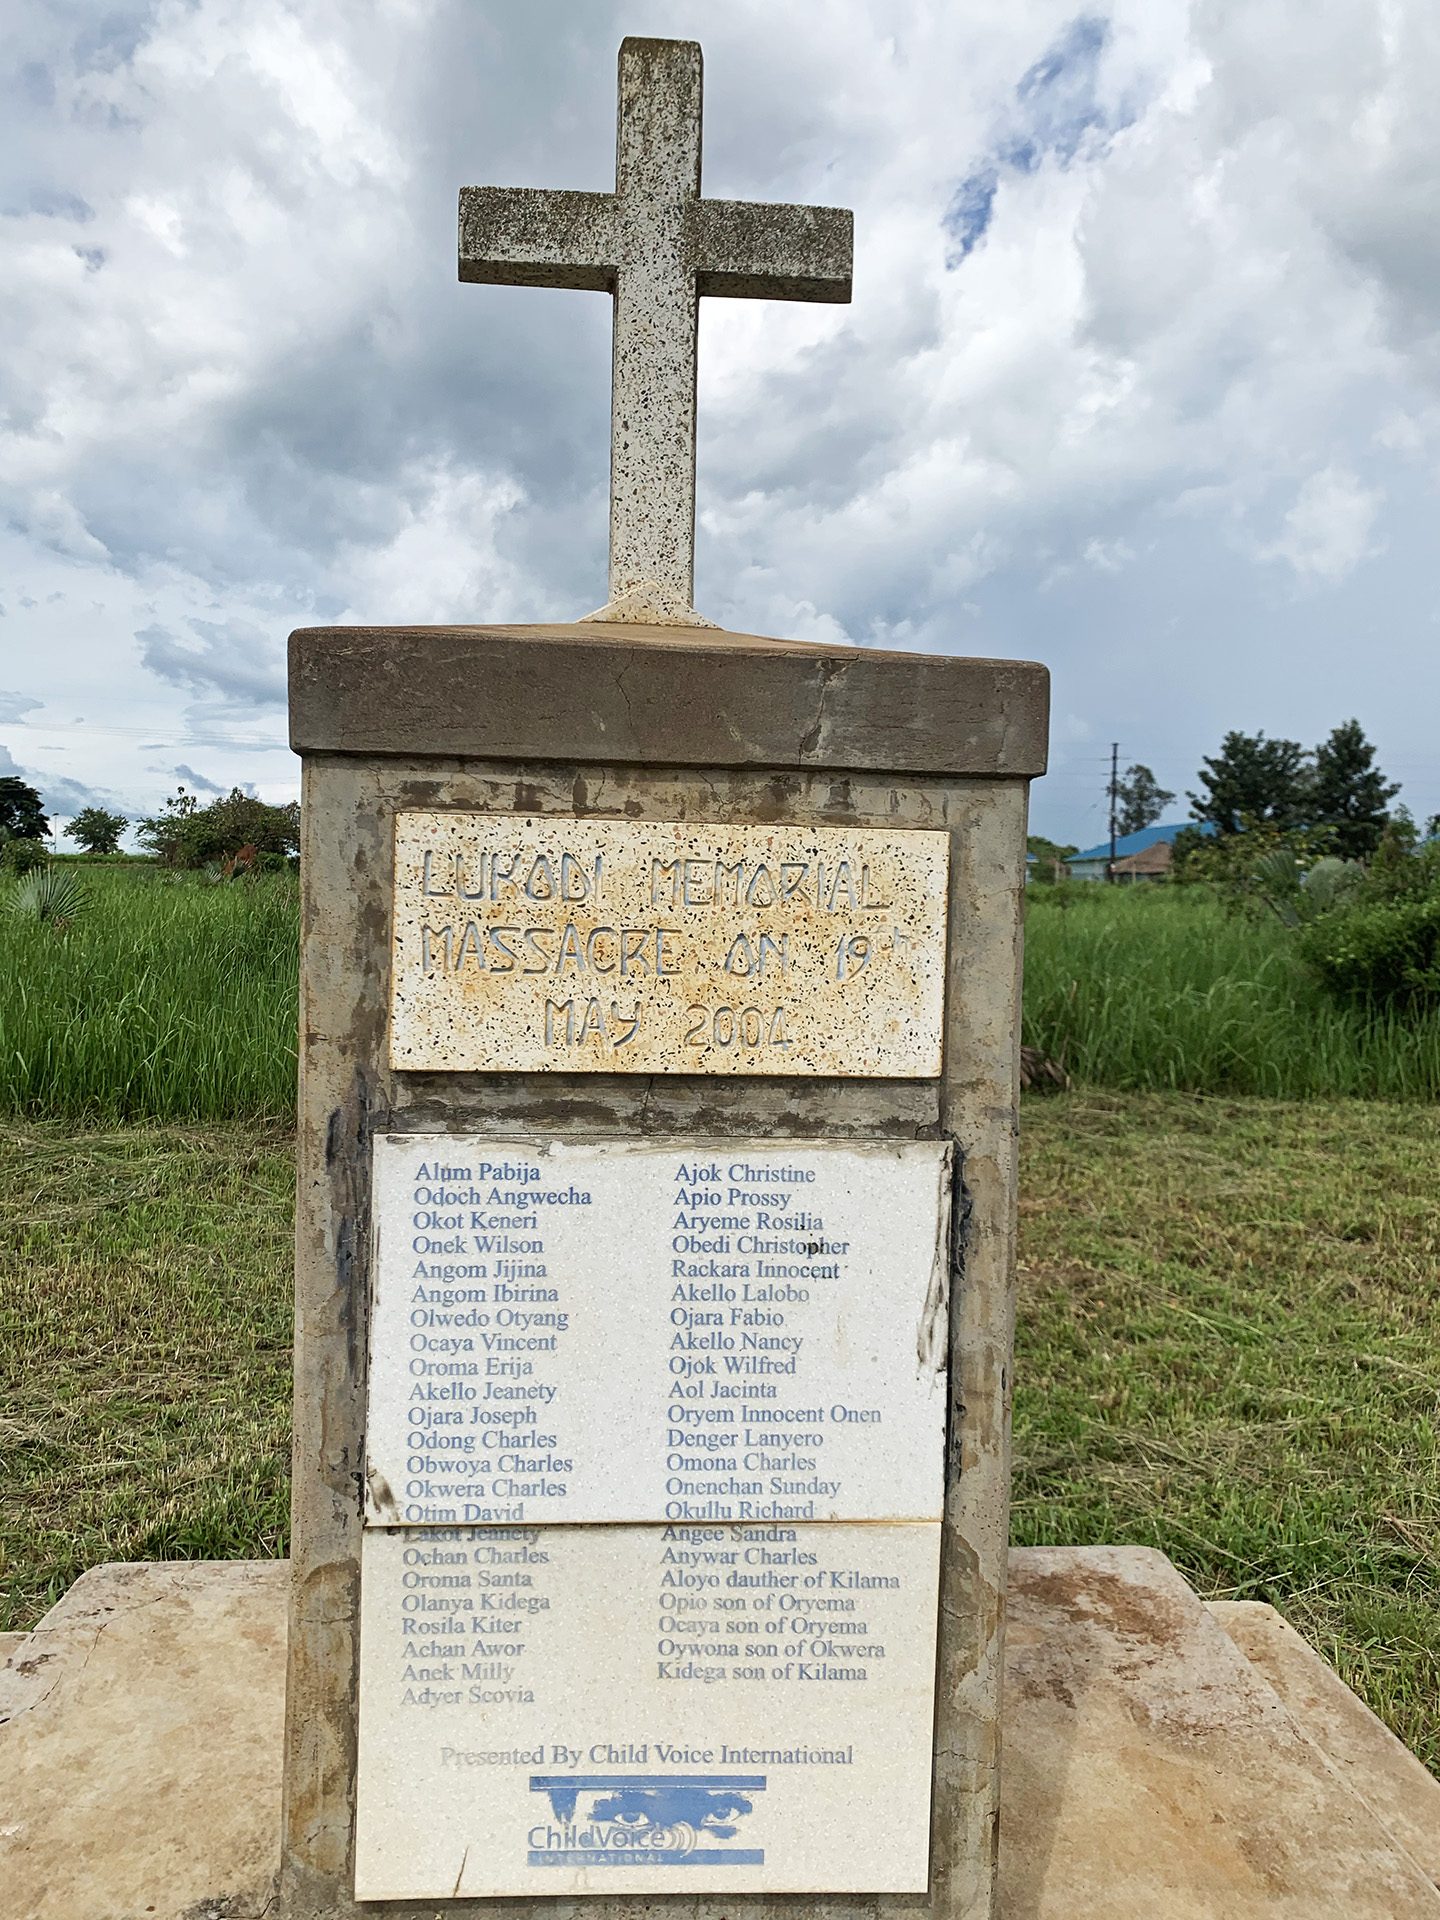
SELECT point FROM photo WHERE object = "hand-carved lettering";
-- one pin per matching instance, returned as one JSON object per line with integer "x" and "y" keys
{"x": 570, "y": 949}
{"x": 471, "y": 947}
{"x": 427, "y": 952}
{"x": 503, "y": 877}
{"x": 493, "y": 935}
{"x": 595, "y": 965}
{"x": 722, "y": 1027}
{"x": 698, "y": 884}
{"x": 617, "y": 1019}
{"x": 781, "y": 950}
{"x": 592, "y": 1023}
{"x": 793, "y": 875}
{"x": 761, "y": 890}
{"x": 852, "y": 955}
{"x": 842, "y": 879}
{"x": 633, "y": 941}
{"x": 733, "y": 875}
{"x": 740, "y": 958}
{"x": 746, "y": 907}
{"x": 573, "y": 876}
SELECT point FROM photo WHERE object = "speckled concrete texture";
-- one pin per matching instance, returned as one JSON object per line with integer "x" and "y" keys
{"x": 1402, "y": 1794}
{"x": 1151, "y": 1773}
{"x": 1150, "y": 1770}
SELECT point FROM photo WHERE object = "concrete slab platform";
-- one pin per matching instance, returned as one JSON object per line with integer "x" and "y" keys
{"x": 1151, "y": 1769}
{"x": 1402, "y": 1794}
{"x": 140, "y": 1741}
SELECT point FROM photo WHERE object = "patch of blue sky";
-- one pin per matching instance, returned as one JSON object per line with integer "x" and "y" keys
{"x": 1058, "y": 112}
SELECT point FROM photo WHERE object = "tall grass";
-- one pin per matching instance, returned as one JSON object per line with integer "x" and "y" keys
{"x": 171, "y": 999}
{"x": 1159, "y": 987}
{"x": 167, "y": 999}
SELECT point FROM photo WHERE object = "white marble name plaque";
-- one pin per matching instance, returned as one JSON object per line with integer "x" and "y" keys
{"x": 633, "y": 1710}
{"x": 620, "y": 946}
{"x": 741, "y": 1331}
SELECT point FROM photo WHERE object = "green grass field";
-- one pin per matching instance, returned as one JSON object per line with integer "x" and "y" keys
{"x": 1160, "y": 987}
{"x": 169, "y": 999}
{"x": 1225, "y": 1350}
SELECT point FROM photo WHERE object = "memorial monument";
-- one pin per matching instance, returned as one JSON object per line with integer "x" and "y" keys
{"x": 660, "y": 1025}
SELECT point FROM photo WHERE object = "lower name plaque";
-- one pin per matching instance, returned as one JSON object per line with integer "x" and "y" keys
{"x": 650, "y": 1573}
{"x": 560, "y": 1710}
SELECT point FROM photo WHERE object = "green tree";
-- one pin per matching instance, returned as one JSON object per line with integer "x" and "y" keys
{"x": 1348, "y": 792}
{"x": 1050, "y": 858}
{"x": 22, "y": 817}
{"x": 96, "y": 830}
{"x": 185, "y": 834}
{"x": 1266, "y": 780}
{"x": 1141, "y": 799}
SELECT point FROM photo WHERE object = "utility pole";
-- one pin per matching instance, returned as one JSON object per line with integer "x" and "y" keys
{"x": 1114, "y": 794}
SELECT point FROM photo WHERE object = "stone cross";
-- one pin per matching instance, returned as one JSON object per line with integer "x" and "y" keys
{"x": 655, "y": 246}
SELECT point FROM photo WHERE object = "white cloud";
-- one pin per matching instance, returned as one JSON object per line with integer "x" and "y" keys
{"x": 1327, "y": 531}
{"x": 1147, "y": 300}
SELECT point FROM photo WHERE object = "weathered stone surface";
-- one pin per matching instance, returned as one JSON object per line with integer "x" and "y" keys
{"x": 596, "y": 946}
{"x": 140, "y": 1746}
{"x": 1402, "y": 1794}
{"x": 1151, "y": 1771}
{"x": 644, "y": 698}
{"x": 656, "y": 246}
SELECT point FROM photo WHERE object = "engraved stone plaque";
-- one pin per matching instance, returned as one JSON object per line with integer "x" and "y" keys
{"x": 618, "y": 946}
{"x": 633, "y": 1710}
{"x": 623, "y": 1331}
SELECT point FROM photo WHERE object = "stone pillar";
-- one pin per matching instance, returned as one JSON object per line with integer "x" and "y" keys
{"x": 612, "y": 723}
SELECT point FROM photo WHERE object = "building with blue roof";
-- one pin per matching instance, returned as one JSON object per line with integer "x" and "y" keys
{"x": 1138, "y": 856}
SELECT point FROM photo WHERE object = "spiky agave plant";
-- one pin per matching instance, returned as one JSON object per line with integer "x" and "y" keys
{"x": 50, "y": 895}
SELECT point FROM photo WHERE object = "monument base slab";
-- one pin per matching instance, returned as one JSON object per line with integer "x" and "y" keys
{"x": 1151, "y": 1767}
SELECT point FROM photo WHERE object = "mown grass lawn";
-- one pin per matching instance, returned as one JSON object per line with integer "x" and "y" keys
{"x": 1226, "y": 1349}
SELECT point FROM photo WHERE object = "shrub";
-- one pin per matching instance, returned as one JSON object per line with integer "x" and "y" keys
{"x": 186, "y": 834}
{"x": 51, "y": 895}
{"x": 21, "y": 856}
{"x": 1378, "y": 950}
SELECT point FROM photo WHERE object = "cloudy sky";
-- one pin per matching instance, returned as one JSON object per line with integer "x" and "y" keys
{"x": 1141, "y": 377}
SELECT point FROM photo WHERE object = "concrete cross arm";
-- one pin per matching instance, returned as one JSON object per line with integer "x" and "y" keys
{"x": 752, "y": 251}
{"x": 539, "y": 237}
{"x": 742, "y": 249}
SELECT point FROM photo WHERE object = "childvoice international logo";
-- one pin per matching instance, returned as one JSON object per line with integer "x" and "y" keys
{"x": 644, "y": 1820}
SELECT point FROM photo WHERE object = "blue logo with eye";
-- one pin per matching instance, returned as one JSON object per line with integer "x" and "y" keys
{"x": 644, "y": 1820}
